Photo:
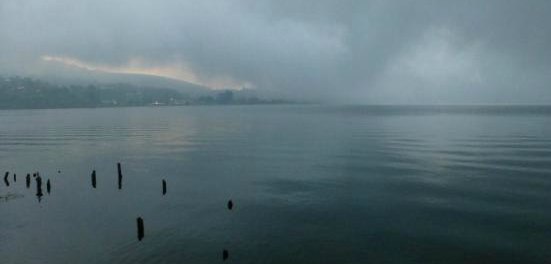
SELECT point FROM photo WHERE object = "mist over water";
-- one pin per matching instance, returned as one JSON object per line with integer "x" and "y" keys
{"x": 310, "y": 184}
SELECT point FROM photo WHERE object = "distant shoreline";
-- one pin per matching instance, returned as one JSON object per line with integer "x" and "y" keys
{"x": 26, "y": 93}
{"x": 149, "y": 106}
{"x": 372, "y": 108}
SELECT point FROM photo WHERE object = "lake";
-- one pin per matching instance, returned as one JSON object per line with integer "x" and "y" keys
{"x": 310, "y": 184}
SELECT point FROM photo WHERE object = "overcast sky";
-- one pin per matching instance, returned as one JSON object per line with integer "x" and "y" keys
{"x": 356, "y": 51}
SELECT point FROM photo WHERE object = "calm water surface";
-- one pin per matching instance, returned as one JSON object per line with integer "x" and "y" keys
{"x": 311, "y": 184}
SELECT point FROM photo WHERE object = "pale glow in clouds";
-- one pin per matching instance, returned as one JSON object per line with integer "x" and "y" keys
{"x": 178, "y": 71}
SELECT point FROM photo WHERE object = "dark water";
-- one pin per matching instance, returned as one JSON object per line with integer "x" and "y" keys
{"x": 310, "y": 184}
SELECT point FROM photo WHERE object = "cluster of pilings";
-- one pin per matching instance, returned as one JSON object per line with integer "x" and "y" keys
{"x": 139, "y": 220}
{"x": 38, "y": 180}
{"x": 93, "y": 177}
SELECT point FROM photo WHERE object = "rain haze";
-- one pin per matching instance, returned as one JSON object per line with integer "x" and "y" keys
{"x": 376, "y": 52}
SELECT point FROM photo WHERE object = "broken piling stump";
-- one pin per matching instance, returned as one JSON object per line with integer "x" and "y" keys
{"x": 39, "y": 193}
{"x": 230, "y": 204}
{"x": 48, "y": 186}
{"x": 6, "y": 178}
{"x": 28, "y": 180}
{"x": 94, "y": 179}
{"x": 164, "y": 187}
{"x": 139, "y": 221}
{"x": 225, "y": 254}
{"x": 120, "y": 174}
{"x": 14, "y": 177}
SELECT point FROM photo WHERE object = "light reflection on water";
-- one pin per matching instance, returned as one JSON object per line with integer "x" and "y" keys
{"x": 311, "y": 184}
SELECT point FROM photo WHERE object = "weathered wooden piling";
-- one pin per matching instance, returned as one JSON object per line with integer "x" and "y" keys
{"x": 39, "y": 193}
{"x": 120, "y": 174}
{"x": 225, "y": 254}
{"x": 139, "y": 221}
{"x": 28, "y": 180}
{"x": 94, "y": 179}
{"x": 230, "y": 204}
{"x": 48, "y": 186}
{"x": 14, "y": 177}
{"x": 6, "y": 178}
{"x": 164, "y": 187}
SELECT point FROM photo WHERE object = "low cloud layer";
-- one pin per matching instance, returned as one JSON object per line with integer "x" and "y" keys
{"x": 355, "y": 51}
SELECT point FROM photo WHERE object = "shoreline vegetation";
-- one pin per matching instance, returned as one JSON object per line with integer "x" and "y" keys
{"x": 27, "y": 93}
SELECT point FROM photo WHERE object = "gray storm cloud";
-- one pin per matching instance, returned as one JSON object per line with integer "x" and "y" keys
{"x": 408, "y": 52}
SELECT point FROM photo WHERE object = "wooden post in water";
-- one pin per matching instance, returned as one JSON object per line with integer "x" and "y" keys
{"x": 6, "y": 178}
{"x": 120, "y": 175}
{"x": 28, "y": 180}
{"x": 14, "y": 177}
{"x": 39, "y": 193}
{"x": 164, "y": 187}
{"x": 48, "y": 186}
{"x": 225, "y": 254}
{"x": 230, "y": 204}
{"x": 94, "y": 179}
{"x": 139, "y": 221}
